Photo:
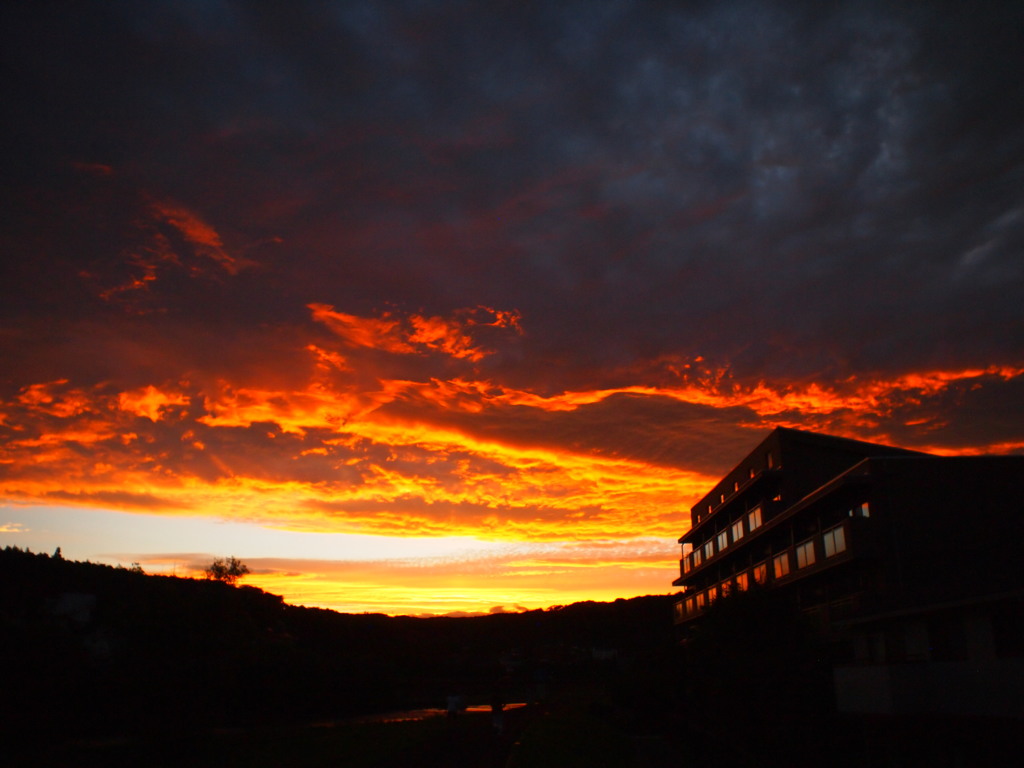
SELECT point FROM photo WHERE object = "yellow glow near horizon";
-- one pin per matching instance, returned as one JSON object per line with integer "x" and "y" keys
{"x": 356, "y": 573}
{"x": 361, "y": 441}
{"x": 443, "y": 588}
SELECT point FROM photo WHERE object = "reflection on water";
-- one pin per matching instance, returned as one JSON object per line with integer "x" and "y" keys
{"x": 423, "y": 714}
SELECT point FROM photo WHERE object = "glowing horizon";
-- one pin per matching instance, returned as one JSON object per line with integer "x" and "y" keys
{"x": 356, "y": 573}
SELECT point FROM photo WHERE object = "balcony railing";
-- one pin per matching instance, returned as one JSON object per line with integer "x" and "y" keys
{"x": 783, "y": 566}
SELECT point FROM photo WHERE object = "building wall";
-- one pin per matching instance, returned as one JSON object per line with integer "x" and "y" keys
{"x": 952, "y": 527}
{"x": 993, "y": 688}
{"x": 910, "y": 564}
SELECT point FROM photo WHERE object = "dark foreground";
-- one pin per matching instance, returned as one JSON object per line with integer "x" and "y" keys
{"x": 109, "y": 667}
{"x": 573, "y": 728}
{"x": 434, "y": 742}
{"x": 469, "y": 740}
{"x": 578, "y": 727}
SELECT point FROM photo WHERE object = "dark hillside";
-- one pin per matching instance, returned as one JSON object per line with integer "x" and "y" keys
{"x": 91, "y": 651}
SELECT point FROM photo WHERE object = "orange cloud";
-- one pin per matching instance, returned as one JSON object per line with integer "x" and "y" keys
{"x": 163, "y": 239}
{"x": 54, "y": 398}
{"x": 348, "y": 452}
{"x": 440, "y": 479}
{"x": 444, "y": 336}
{"x": 382, "y": 332}
{"x": 151, "y": 402}
{"x": 719, "y": 391}
{"x": 198, "y": 233}
{"x": 416, "y": 333}
{"x": 1004, "y": 447}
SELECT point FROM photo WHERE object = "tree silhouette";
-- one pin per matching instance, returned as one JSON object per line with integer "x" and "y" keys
{"x": 226, "y": 570}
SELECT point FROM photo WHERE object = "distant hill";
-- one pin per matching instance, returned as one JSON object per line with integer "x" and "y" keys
{"x": 89, "y": 649}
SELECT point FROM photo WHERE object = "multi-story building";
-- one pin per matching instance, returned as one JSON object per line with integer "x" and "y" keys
{"x": 910, "y": 563}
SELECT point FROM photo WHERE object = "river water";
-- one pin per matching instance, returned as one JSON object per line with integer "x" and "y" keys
{"x": 424, "y": 714}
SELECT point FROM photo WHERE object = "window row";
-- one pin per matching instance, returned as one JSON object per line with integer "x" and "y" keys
{"x": 739, "y": 582}
{"x": 833, "y": 542}
{"x": 722, "y": 540}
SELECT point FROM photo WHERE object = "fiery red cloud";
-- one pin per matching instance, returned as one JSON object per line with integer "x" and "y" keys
{"x": 350, "y": 451}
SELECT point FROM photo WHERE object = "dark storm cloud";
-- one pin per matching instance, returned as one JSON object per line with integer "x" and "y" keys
{"x": 639, "y": 428}
{"x": 793, "y": 192}
{"x": 985, "y": 410}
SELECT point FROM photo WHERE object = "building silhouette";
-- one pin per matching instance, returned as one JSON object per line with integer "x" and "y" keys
{"x": 910, "y": 564}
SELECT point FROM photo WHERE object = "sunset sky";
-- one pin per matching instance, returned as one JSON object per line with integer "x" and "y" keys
{"x": 450, "y": 307}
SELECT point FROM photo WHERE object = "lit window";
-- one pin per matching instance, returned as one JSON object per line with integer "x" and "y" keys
{"x": 696, "y": 557}
{"x": 686, "y": 565}
{"x": 780, "y": 565}
{"x": 835, "y": 541}
{"x": 737, "y": 530}
{"x": 754, "y": 519}
{"x": 861, "y": 510}
{"x": 760, "y": 572}
{"x": 689, "y": 605}
{"x": 805, "y": 554}
{"x": 721, "y": 496}
{"x": 700, "y": 600}
{"x": 752, "y": 472}
{"x": 771, "y": 461}
{"x": 723, "y": 540}
{"x": 680, "y": 610}
{"x": 736, "y": 485}
{"x": 709, "y": 548}
{"x": 742, "y": 581}
{"x": 712, "y": 594}
{"x": 711, "y": 508}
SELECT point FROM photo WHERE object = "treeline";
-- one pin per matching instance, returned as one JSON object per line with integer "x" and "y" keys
{"x": 90, "y": 650}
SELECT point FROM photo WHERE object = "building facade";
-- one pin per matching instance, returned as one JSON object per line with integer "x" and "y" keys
{"x": 910, "y": 563}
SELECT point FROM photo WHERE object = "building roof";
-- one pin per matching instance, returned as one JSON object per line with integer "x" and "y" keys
{"x": 820, "y": 457}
